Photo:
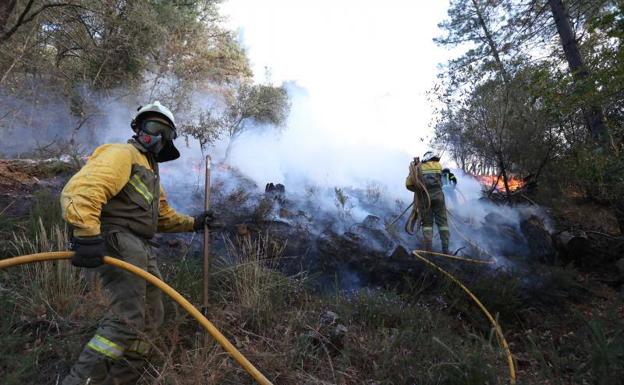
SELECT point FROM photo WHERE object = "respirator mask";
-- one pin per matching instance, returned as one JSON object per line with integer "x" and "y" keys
{"x": 155, "y": 136}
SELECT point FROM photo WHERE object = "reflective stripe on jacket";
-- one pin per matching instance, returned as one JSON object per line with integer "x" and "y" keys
{"x": 119, "y": 186}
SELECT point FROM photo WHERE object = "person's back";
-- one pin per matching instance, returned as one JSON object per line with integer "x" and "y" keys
{"x": 427, "y": 176}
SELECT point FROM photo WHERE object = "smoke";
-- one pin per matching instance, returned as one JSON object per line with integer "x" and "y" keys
{"x": 339, "y": 182}
{"x": 309, "y": 153}
{"x": 46, "y": 121}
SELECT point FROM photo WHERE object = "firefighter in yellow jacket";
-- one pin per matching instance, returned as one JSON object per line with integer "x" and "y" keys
{"x": 425, "y": 180}
{"x": 115, "y": 204}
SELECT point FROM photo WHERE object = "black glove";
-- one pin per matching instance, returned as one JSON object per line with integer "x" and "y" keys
{"x": 89, "y": 251}
{"x": 205, "y": 218}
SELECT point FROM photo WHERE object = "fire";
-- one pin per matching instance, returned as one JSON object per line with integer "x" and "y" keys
{"x": 513, "y": 182}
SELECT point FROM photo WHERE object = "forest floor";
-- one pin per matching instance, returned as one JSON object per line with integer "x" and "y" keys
{"x": 564, "y": 322}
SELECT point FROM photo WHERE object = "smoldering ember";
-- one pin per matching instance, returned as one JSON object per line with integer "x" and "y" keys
{"x": 356, "y": 192}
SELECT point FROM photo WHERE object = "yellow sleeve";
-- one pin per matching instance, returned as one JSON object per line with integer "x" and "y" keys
{"x": 107, "y": 171}
{"x": 169, "y": 221}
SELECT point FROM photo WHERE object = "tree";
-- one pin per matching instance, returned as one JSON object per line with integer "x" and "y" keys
{"x": 592, "y": 113}
{"x": 249, "y": 106}
{"x": 206, "y": 130}
{"x": 24, "y": 14}
{"x": 77, "y": 53}
{"x": 540, "y": 83}
{"x": 476, "y": 24}
{"x": 473, "y": 22}
{"x": 253, "y": 105}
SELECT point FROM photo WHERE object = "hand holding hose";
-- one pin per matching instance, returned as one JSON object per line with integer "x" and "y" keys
{"x": 89, "y": 251}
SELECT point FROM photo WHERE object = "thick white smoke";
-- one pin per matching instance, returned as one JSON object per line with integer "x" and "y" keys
{"x": 309, "y": 156}
{"x": 309, "y": 153}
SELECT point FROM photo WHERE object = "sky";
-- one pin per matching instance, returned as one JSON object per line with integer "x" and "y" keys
{"x": 366, "y": 65}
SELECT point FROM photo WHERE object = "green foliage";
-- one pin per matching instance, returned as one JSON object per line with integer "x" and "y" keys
{"x": 245, "y": 107}
{"x": 264, "y": 104}
{"x": 606, "y": 351}
{"x": 206, "y": 129}
{"x": 515, "y": 102}
{"x": 112, "y": 44}
{"x": 381, "y": 309}
{"x": 501, "y": 293}
{"x": 84, "y": 51}
{"x": 413, "y": 343}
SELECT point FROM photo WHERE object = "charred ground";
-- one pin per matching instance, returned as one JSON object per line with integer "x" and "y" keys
{"x": 311, "y": 300}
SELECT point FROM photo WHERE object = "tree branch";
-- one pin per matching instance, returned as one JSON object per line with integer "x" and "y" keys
{"x": 24, "y": 18}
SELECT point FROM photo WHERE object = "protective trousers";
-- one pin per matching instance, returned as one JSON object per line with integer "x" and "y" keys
{"x": 436, "y": 211}
{"x": 116, "y": 353}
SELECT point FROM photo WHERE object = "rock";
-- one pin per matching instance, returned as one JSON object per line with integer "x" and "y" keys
{"x": 373, "y": 222}
{"x": 572, "y": 245}
{"x": 538, "y": 239}
{"x": 369, "y": 254}
{"x": 283, "y": 213}
{"x": 276, "y": 192}
{"x": 497, "y": 219}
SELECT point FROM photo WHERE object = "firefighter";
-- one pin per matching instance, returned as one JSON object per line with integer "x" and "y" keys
{"x": 114, "y": 205}
{"x": 425, "y": 180}
{"x": 449, "y": 183}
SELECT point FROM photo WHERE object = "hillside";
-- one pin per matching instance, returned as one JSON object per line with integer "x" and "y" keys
{"x": 355, "y": 315}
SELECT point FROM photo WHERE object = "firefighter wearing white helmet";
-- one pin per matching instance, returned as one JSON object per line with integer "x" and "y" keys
{"x": 425, "y": 180}
{"x": 115, "y": 205}
{"x": 155, "y": 130}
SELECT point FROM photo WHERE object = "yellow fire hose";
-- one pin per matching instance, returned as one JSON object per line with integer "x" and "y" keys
{"x": 497, "y": 328}
{"x": 457, "y": 258}
{"x": 210, "y": 328}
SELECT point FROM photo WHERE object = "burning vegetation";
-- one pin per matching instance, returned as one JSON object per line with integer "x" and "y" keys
{"x": 497, "y": 183}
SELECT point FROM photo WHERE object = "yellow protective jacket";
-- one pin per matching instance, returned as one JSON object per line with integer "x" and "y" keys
{"x": 120, "y": 187}
{"x": 429, "y": 172}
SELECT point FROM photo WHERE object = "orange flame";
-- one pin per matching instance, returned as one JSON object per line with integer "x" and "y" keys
{"x": 488, "y": 181}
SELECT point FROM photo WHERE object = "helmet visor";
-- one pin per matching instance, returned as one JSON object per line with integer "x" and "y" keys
{"x": 157, "y": 127}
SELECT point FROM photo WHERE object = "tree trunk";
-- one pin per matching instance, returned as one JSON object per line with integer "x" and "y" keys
{"x": 6, "y": 7}
{"x": 503, "y": 173}
{"x": 491, "y": 43}
{"x": 592, "y": 113}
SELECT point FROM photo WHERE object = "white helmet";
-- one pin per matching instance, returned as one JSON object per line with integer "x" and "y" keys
{"x": 429, "y": 155}
{"x": 158, "y": 108}
{"x": 168, "y": 151}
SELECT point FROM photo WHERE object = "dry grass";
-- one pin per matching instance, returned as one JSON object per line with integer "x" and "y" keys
{"x": 388, "y": 339}
{"x": 248, "y": 278}
{"x": 50, "y": 286}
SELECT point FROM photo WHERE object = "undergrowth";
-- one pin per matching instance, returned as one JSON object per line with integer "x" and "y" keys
{"x": 429, "y": 333}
